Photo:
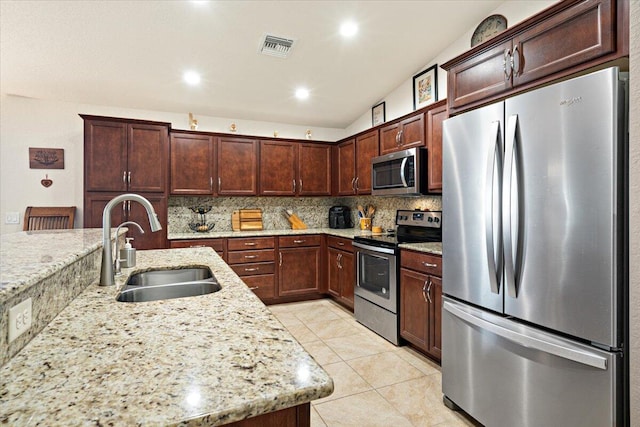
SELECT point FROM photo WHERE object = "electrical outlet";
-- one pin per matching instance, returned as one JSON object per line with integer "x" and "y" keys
{"x": 19, "y": 319}
{"x": 12, "y": 218}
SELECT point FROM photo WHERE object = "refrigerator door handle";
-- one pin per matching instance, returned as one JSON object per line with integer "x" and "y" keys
{"x": 573, "y": 354}
{"x": 494, "y": 156}
{"x": 507, "y": 206}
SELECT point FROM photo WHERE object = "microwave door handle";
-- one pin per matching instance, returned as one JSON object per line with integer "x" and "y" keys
{"x": 402, "y": 176}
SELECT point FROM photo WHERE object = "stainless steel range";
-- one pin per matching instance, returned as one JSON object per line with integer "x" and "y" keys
{"x": 377, "y": 293}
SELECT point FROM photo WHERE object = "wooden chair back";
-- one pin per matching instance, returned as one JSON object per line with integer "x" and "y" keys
{"x": 49, "y": 218}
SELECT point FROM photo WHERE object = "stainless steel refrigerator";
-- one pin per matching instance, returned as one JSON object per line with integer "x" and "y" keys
{"x": 534, "y": 318}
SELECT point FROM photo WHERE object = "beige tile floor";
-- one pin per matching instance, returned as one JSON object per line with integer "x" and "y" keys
{"x": 376, "y": 383}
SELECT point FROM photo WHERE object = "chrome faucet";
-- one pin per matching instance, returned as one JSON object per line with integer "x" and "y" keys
{"x": 116, "y": 263}
{"x": 106, "y": 270}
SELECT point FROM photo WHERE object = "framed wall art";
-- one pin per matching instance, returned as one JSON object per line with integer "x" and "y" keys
{"x": 425, "y": 87}
{"x": 46, "y": 158}
{"x": 377, "y": 114}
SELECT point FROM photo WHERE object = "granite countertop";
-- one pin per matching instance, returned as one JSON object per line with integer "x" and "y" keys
{"x": 205, "y": 360}
{"x": 30, "y": 256}
{"x": 434, "y": 248}
{"x": 348, "y": 233}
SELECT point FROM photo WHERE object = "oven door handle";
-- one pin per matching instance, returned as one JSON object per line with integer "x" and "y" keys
{"x": 376, "y": 250}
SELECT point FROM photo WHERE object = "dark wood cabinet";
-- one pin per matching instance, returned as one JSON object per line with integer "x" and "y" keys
{"x": 290, "y": 168}
{"x": 434, "y": 118}
{"x": 314, "y": 170}
{"x": 253, "y": 259}
{"x": 299, "y": 265}
{"x": 192, "y": 163}
{"x": 345, "y": 167}
{"x": 237, "y": 165}
{"x": 95, "y": 202}
{"x": 278, "y": 168}
{"x": 566, "y": 38}
{"x": 421, "y": 301}
{"x": 340, "y": 270}
{"x": 353, "y": 164}
{"x": 407, "y": 133}
{"x": 125, "y": 155}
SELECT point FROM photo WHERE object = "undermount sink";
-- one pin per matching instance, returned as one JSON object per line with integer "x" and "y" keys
{"x": 157, "y": 285}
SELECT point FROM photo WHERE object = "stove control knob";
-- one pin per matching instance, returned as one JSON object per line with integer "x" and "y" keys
{"x": 430, "y": 219}
{"x": 436, "y": 219}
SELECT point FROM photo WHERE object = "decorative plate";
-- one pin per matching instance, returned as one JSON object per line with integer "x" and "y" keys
{"x": 488, "y": 28}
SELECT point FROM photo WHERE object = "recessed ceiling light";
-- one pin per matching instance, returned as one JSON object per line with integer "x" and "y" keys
{"x": 349, "y": 29}
{"x": 191, "y": 77}
{"x": 302, "y": 93}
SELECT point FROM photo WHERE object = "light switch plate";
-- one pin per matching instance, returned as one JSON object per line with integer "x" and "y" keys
{"x": 19, "y": 319}
{"x": 12, "y": 218}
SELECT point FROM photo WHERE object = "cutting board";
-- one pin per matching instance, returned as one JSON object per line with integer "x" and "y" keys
{"x": 246, "y": 219}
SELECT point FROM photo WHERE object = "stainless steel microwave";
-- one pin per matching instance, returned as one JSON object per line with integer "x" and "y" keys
{"x": 400, "y": 173}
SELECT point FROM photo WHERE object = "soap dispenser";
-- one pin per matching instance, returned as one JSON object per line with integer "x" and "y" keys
{"x": 128, "y": 255}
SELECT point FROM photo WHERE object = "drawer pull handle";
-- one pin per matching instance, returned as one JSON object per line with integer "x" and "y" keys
{"x": 198, "y": 246}
{"x": 253, "y": 288}
{"x": 298, "y": 241}
{"x": 250, "y": 244}
{"x": 251, "y": 256}
{"x": 428, "y": 264}
{"x": 340, "y": 243}
{"x": 251, "y": 269}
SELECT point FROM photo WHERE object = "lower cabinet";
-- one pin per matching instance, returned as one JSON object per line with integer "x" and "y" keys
{"x": 421, "y": 301}
{"x": 299, "y": 265}
{"x": 95, "y": 202}
{"x": 340, "y": 270}
{"x": 253, "y": 259}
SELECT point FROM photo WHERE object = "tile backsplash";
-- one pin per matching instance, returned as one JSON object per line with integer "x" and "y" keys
{"x": 313, "y": 211}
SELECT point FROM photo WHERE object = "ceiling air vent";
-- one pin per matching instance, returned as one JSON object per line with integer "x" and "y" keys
{"x": 276, "y": 46}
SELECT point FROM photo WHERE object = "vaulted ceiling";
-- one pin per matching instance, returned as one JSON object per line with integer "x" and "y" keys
{"x": 133, "y": 54}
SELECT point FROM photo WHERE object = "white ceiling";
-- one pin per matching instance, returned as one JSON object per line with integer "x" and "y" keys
{"x": 132, "y": 53}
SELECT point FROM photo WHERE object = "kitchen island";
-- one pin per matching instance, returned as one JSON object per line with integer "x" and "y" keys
{"x": 198, "y": 361}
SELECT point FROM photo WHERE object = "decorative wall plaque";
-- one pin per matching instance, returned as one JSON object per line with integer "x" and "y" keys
{"x": 46, "y": 158}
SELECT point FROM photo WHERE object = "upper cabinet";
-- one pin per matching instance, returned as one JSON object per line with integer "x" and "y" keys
{"x": 237, "y": 165}
{"x": 434, "y": 118}
{"x": 405, "y": 134}
{"x": 192, "y": 163}
{"x": 314, "y": 169}
{"x": 353, "y": 164}
{"x": 125, "y": 155}
{"x": 278, "y": 166}
{"x": 566, "y": 38}
{"x": 289, "y": 168}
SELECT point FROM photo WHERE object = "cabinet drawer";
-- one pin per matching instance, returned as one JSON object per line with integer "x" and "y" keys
{"x": 242, "y": 257}
{"x": 340, "y": 243}
{"x": 254, "y": 269}
{"x": 417, "y": 261}
{"x": 263, "y": 285}
{"x": 295, "y": 241}
{"x": 241, "y": 244}
{"x": 216, "y": 244}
